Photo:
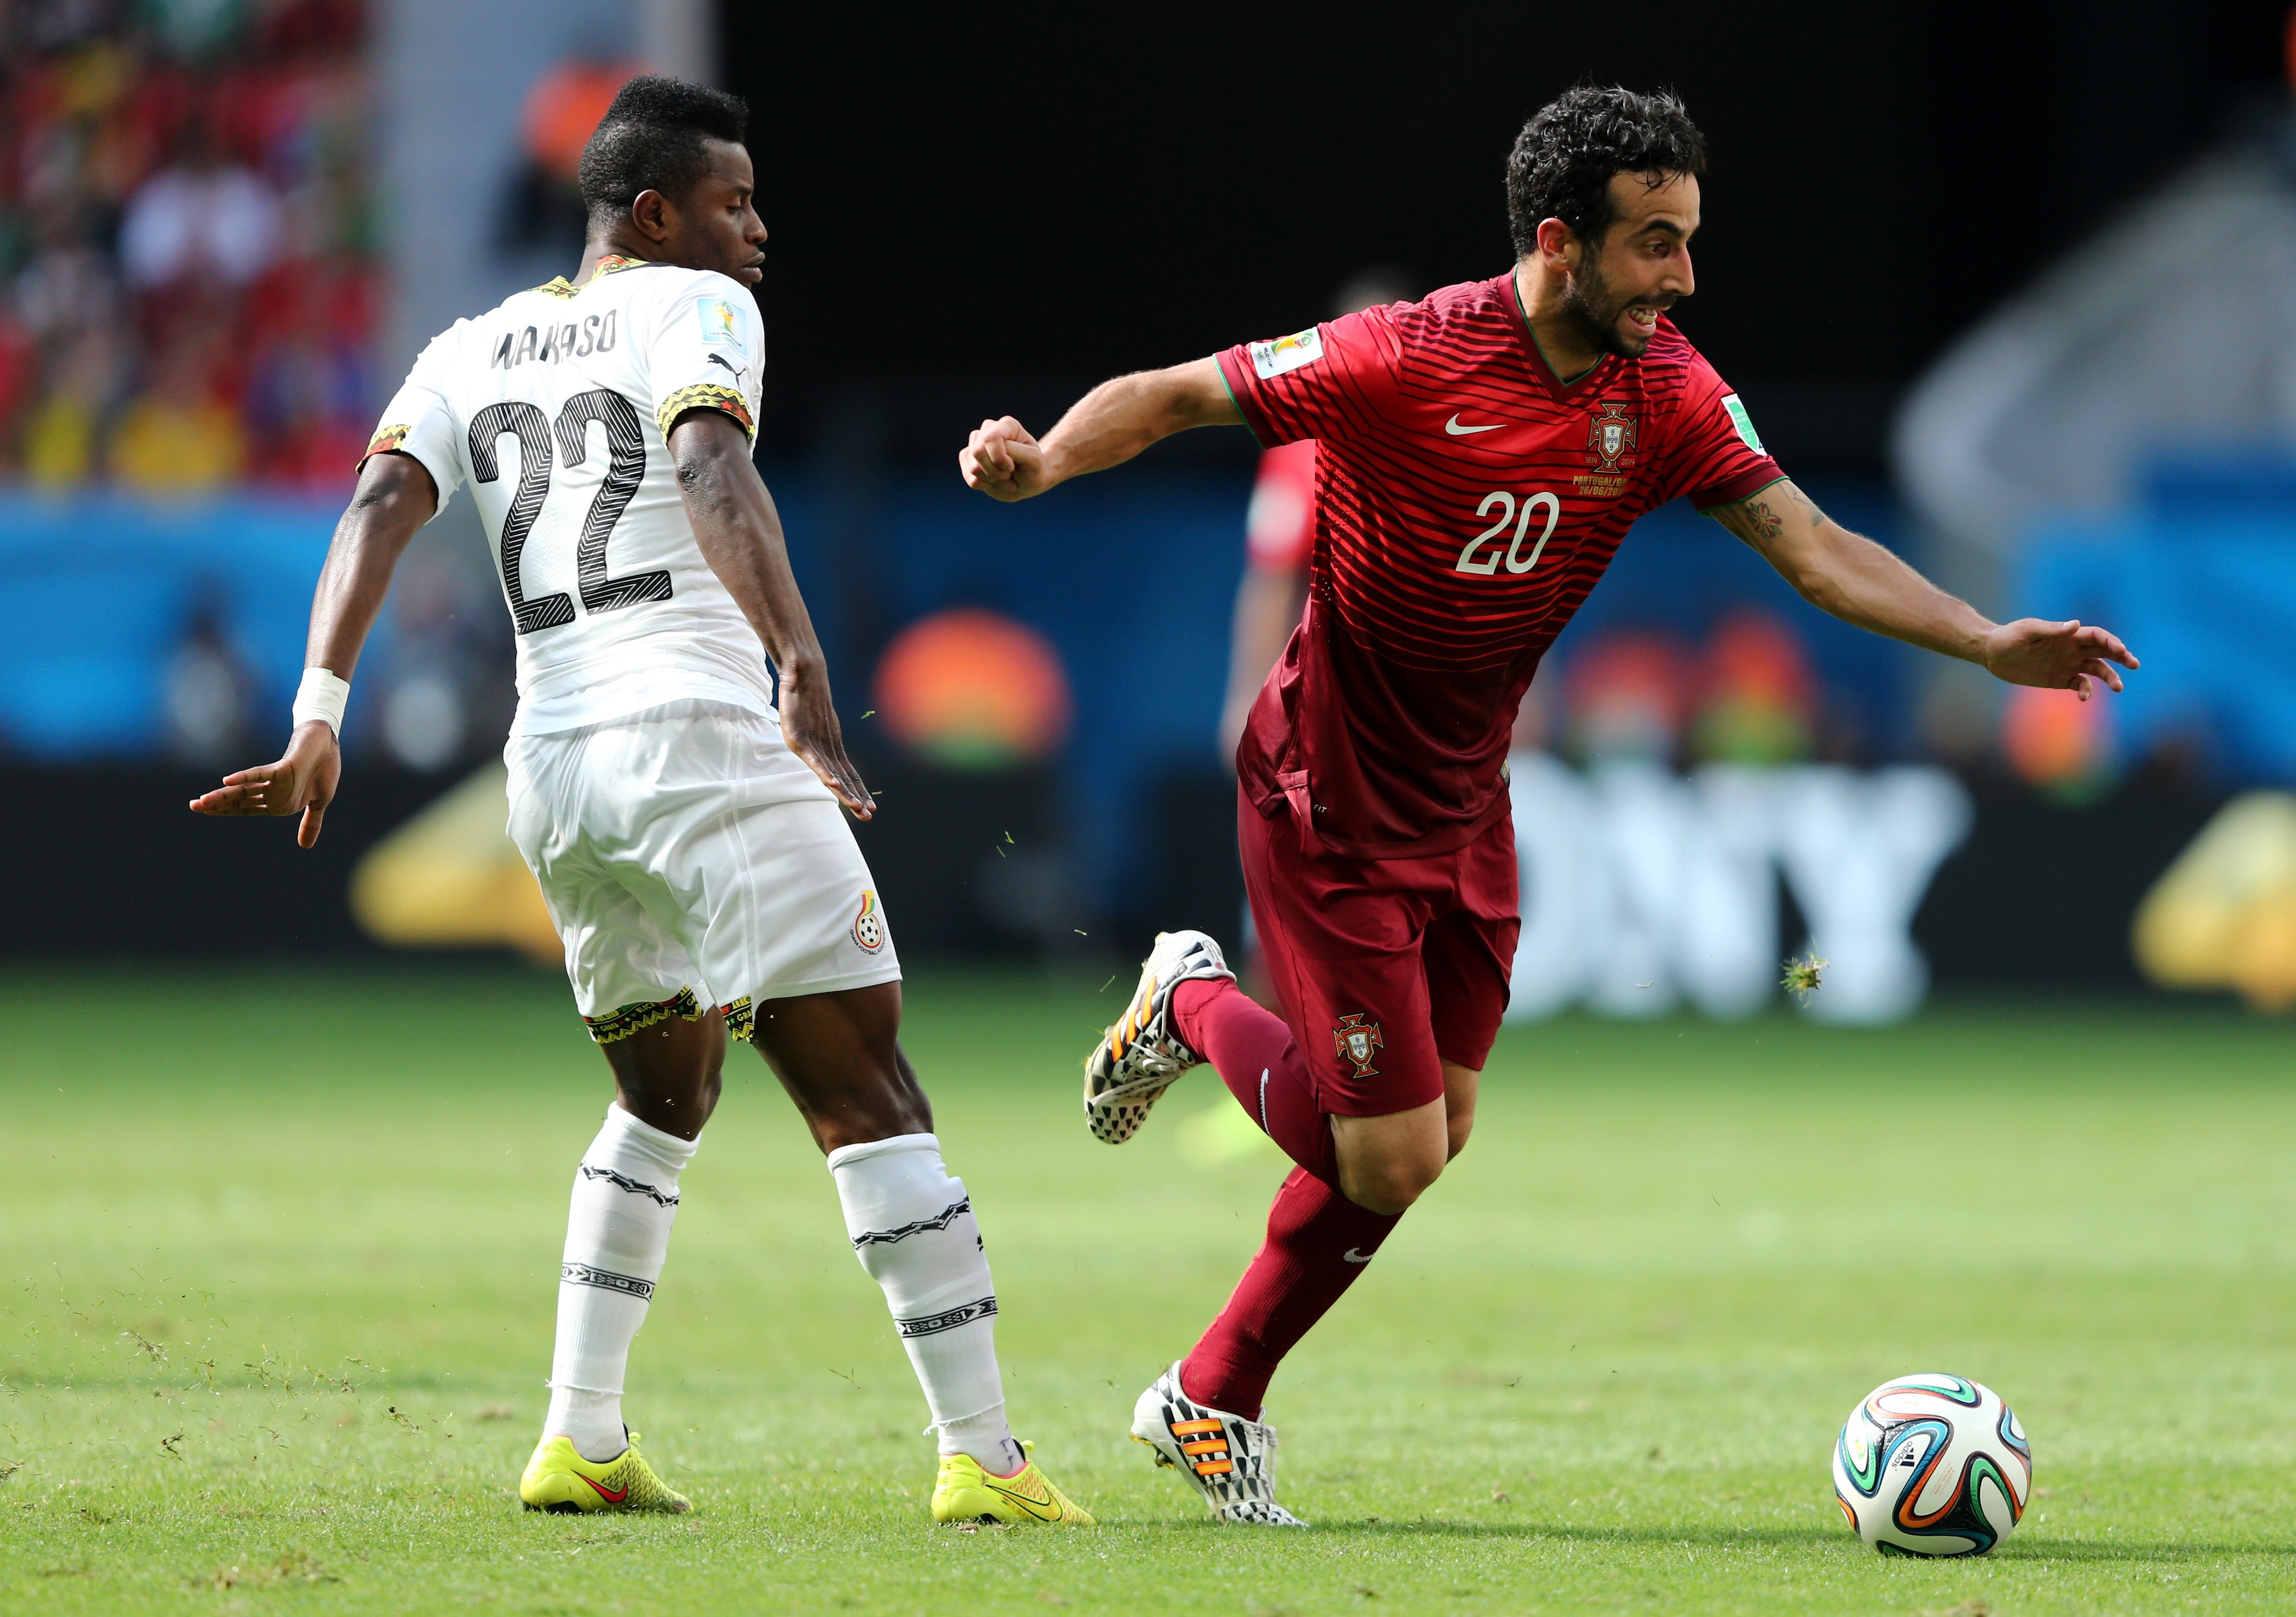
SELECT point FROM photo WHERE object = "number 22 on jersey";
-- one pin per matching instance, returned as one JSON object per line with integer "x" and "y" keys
{"x": 624, "y": 468}
{"x": 1504, "y": 503}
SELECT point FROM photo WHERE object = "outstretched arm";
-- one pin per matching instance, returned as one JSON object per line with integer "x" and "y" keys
{"x": 1862, "y": 583}
{"x": 395, "y": 497}
{"x": 739, "y": 534}
{"x": 1105, "y": 428}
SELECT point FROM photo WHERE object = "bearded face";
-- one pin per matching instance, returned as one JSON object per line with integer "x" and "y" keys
{"x": 1617, "y": 320}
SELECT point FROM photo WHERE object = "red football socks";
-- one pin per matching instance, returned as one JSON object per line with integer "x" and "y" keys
{"x": 1317, "y": 1242}
{"x": 1253, "y": 1053}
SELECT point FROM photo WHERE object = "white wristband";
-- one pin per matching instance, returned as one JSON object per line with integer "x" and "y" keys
{"x": 322, "y": 695}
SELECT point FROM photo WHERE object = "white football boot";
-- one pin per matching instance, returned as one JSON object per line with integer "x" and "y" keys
{"x": 1137, "y": 1059}
{"x": 1230, "y": 1459}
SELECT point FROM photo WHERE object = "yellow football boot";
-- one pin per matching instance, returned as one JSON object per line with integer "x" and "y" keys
{"x": 967, "y": 1493}
{"x": 558, "y": 1478}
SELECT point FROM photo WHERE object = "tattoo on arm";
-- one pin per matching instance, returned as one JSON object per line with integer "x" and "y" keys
{"x": 1753, "y": 520}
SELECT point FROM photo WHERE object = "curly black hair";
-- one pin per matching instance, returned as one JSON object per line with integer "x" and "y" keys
{"x": 652, "y": 138}
{"x": 1562, "y": 162}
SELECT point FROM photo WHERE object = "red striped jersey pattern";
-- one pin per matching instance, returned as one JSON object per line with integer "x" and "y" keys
{"x": 1466, "y": 501}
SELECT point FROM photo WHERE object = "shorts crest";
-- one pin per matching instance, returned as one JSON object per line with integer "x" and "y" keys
{"x": 869, "y": 926}
{"x": 1356, "y": 1040}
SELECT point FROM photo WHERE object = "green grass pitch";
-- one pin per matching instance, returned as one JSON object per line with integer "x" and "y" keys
{"x": 277, "y": 1261}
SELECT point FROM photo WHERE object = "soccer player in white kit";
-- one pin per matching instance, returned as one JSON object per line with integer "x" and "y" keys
{"x": 684, "y": 826}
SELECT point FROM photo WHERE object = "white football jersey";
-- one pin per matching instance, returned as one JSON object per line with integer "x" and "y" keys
{"x": 556, "y": 408}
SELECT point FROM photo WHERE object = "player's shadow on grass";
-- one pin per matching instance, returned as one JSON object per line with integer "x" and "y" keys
{"x": 2136, "y": 1549}
{"x": 1766, "y": 1536}
{"x": 2046, "y": 1549}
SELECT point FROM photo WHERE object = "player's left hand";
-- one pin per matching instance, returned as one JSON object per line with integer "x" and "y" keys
{"x": 303, "y": 781}
{"x": 2067, "y": 656}
{"x": 1003, "y": 461}
{"x": 809, "y": 725}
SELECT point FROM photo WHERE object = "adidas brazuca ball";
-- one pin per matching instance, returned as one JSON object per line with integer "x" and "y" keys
{"x": 1932, "y": 1465}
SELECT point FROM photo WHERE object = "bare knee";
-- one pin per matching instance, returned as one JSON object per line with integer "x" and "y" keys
{"x": 1388, "y": 1186}
{"x": 1383, "y": 1168}
{"x": 669, "y": 1076}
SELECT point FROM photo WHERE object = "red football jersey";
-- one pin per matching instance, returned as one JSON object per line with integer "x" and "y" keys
{"x": 1466, "y": 501}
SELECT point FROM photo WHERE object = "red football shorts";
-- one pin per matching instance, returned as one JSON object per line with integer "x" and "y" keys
{"x": 1385, "y": 968}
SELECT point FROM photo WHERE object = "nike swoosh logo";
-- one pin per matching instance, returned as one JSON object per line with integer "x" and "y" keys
{"x": 611, "y": 1495}
{"x": 1353, "y": 1256}
{"x": 1043, "y": 1509}
{"x": 1453, "y": 427}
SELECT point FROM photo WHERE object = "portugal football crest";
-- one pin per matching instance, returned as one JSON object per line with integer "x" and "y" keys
{"x": 1610, "y": 434}
{"x": 869, "y": 926}
{"x": 1356, "y": 1040}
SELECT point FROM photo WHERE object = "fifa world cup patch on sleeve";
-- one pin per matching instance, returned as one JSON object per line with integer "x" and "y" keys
{"x": 1272, "y": 359}
{"x": 722, "y": 326}
{"x": 1742, "y": 422}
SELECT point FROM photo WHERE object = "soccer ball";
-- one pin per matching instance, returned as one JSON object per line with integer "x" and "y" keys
{"x": 1932, "y": 1465}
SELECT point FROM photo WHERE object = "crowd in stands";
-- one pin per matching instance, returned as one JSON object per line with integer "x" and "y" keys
{"x": 188, "y": 281}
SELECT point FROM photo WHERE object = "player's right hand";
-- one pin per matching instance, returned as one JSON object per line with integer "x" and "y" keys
{"x": 1002, "y": 461}
{"x": 302, "y": 781}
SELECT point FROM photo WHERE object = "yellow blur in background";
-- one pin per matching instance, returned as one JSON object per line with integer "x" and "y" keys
{"x": 451, "y": 877}
{"x": 2224, "y": 913}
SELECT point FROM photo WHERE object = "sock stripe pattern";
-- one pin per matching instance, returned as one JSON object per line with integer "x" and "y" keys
{"x": 624, "y": 1183}
{"x": 942, "y": 1220}
{"x": 912, "y": 1227}
{"x": 629, "y": 1285}
{"x": 933, "y": 1323}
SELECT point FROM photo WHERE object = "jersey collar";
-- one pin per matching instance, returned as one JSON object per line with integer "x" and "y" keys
{"x": 559, "y": 286}
{"x": 1563, "y": 391}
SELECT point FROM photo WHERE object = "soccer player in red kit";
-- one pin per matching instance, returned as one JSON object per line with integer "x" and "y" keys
{"x": 1482, "y": 455}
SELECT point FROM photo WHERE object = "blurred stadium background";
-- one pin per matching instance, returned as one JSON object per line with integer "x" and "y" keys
{"x": 2023, "y": 312}
{"x": 2011, "y": 286}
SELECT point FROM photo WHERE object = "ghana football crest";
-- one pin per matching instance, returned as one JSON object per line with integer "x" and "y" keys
{"x": 1356, "y": 1040}
{"x": 869, "y": 926}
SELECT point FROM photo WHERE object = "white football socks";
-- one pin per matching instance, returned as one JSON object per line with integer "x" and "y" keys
{"x": 616, "y": 1236}
{"x": 913, "y": 1228}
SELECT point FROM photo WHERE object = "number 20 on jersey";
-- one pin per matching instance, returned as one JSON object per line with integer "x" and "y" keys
{"x": 1509, "y": 517}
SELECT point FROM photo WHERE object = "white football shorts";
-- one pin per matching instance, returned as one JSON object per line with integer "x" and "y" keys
{"x": 689, "y": 859}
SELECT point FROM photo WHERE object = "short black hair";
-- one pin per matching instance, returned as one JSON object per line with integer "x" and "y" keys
{"x": 652, "y": 138}
{"x": 1562, "y": 162}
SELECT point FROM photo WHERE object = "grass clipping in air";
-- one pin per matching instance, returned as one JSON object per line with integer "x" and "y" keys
{"x": 1802, "y": 978}
{"x": 274, "y": 1334}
